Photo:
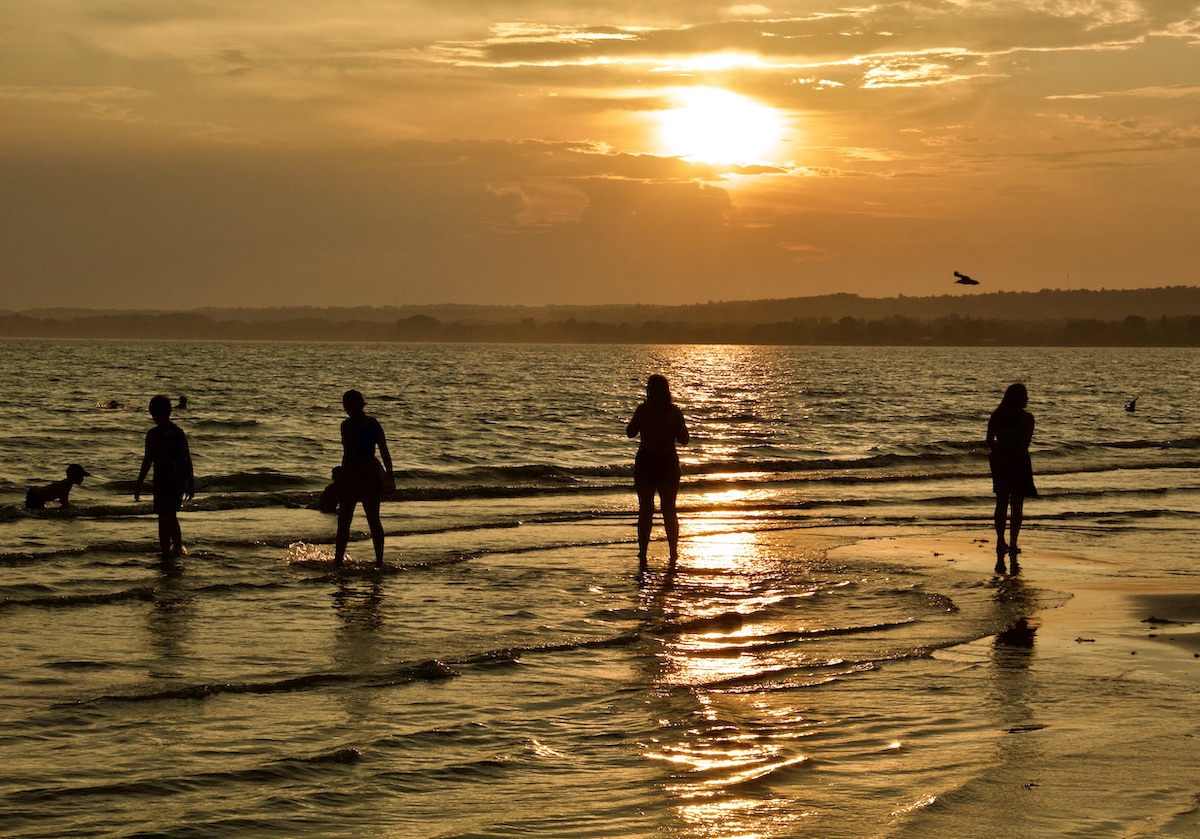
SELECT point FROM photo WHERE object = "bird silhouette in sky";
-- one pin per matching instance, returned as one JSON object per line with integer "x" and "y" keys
{"x": 963, "y": 279}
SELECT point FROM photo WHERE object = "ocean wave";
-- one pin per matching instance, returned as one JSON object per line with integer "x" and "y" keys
{"x": 257, "y": 481}
{"x": 98, "y": 553}
{"x": 281, "y": 770}
{"x": 1109, "y": 517}
{"x": 428, "y": 671}
{"x": 513, "y": 654}
{"x": 703, "y": 783}
{"x": 225, "y": 423}
{"x": 343, "y": 757}
{"x": 263, "y": 480}
{"x": 58, "y": 601}
{"x": 18, "y": 559}
{"x": 269, "y": 489}
{"x": 1179, "y": 443}
{"x": 734, "y": 621}
{"x": 792, "y": 677}
{"x": 503, "y": 475}
{"x": 232, "y": 588}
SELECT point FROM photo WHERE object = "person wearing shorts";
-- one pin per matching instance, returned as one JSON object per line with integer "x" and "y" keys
{"x": 168, "y": 453}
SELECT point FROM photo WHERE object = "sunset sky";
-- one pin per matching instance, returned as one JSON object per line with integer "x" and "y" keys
{"x": 379, "y": 152}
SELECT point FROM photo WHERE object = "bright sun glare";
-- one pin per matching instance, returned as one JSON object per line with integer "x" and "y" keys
{"x": 715, "y": 126}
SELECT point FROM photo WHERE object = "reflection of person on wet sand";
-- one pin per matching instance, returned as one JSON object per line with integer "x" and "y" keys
{"x": 1009, "y": 432}
{"x": 363, "y": 479}
{"x": 167, "y": 451}
{"x": 656, "y": 468}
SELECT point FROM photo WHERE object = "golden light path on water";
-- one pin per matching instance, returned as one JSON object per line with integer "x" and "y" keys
{"x": 733, "y": 738}
{"x": 731, "y": 623}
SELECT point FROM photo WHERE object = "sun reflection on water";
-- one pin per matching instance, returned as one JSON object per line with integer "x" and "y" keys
{"x": 725, "y": 754}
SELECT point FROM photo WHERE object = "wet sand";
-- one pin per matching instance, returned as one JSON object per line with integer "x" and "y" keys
{"x": 1098, "y": 692}
{"x": 1101, "y": 609}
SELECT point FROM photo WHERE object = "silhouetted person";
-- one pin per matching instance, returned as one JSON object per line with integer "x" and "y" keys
{"x": 1009, "y": 432}
{"x": 167, "y": 451}
{"x": 328, "y": 502}
{"x": 363, "y": 480}
{"x": 656, "y": 468}
{"x": 37, "y": 497}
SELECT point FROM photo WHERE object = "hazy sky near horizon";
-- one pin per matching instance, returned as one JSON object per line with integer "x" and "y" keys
{"x": 384, "y": 152}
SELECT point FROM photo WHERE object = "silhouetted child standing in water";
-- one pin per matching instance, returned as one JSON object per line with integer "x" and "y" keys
{"x": 656, "y": 467}
{"x": 1009, "y": 433}
{"x": 167, "y": 451}
{"x": 37, "y": 497}
{"x": 363, "y": 479}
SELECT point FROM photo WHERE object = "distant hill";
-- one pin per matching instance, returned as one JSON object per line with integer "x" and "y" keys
{"x": 1049, "y": 304}
{"x": 1143, "y": 317}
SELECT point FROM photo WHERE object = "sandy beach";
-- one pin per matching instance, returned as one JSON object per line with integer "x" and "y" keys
{"x": 1097, "y": 689}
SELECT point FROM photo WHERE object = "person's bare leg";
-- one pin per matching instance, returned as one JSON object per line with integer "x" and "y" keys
{"x": 371, "y": 511}
{"x": 345, "y": 517}
{"x": 177, "y": 548}
{"x": 671, "y": 519}
{"x": 164, "y": 535}
{"x": 645, "y": 495}
{"x": 1018, "y": 516}
{"x": 1001, "y": 510}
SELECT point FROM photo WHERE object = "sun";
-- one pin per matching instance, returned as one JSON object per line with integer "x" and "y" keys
{"x": 715, "y": 126}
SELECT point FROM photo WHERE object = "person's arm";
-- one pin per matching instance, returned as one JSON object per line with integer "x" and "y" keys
{"x": 347, "y": 443}
{"x": 681, "y": 432}
{"x": 146, "y": 461}
{"x": 189, "y": 483}
{"x": 1028, "y": 430}
{"x": 991, "y": 433}
{"x": 60, "y": 490}
{"x": 386, "y": 457}
{"x": 635, "y": 424}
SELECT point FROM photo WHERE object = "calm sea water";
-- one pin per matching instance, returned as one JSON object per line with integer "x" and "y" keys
{"x": 509, "y": 675}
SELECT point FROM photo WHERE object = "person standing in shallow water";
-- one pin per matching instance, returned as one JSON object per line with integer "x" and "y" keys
{"x": 656, "y": 468}
{"x": 167, "y": 451}
{"x": 363, "y": 479}
{"x": 1009, "y": 433}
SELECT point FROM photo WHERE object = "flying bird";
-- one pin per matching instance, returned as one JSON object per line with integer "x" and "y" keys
{"x": 963, "y": 279}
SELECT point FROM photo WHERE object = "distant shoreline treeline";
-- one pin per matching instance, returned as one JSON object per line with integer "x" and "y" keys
{"x": 1162, "y": 317}
{"x": 895, "y": 330}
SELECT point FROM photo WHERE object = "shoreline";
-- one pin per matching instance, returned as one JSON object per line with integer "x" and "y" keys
{"x": 1117, "y": 616}
{"x": 1097, "y": 720}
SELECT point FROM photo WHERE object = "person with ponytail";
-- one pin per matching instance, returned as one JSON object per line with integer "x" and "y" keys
{"x": 1009, "y": 432}
{"x": 656, "y": 467}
